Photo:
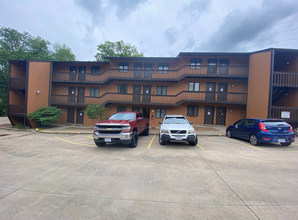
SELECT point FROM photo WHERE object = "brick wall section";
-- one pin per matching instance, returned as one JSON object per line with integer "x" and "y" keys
{"x": 258, "y": 85}
{"x": 38, "y": 79}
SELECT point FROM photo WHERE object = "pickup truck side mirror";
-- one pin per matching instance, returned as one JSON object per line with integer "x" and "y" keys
{"x": 139, "y": 118}
{"x": 190, "y": 122}
{"x": 160, "y": 122}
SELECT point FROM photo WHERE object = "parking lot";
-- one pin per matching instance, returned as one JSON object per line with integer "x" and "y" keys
{"x": 66, "y": 176}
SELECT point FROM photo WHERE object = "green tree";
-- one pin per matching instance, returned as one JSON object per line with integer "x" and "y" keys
{"x": 97, "y": 112}
{"x": 23, "y": 46}
{"x": 116, "y": 49}
{"x": 62, "y": 53}
{"x": 45, "y": 115}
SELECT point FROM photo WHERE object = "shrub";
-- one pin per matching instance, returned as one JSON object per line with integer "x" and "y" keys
{"x": 97, "y": 112}
{"x": 19, "y": 126}
{"x": 46, "y": 115}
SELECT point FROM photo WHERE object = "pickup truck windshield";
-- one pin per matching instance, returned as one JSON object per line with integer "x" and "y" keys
{"x": 175, "y": 120}
{"x": 123, "y": 116}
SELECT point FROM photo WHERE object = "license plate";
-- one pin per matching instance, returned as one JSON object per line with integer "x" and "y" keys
{"x": 281, "y": 140}
{"x": 108, "y": 140}
{"x": 178, "y": 138}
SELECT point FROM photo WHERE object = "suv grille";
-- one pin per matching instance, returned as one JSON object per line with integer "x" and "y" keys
{"x": 178, "y": 131}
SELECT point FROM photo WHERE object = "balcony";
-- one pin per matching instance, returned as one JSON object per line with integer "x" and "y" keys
{"x": 276, "y": 112}
{"x": 161, "y": 100}
{"x": 285, "y": 79}
{"x": 109, "y": 75}
{"x": 16, "y": 110}
{"x": 17, "y": 83}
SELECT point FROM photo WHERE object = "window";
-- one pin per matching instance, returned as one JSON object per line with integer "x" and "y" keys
{"x": 160, "y": 112}
{"x": 161, "y": 90}
{"x": 195, "y": 87}
{"x": 192, "y": 110}
{"x": 163, "y": 67}
{"x": 136, "y": 109}
{"x": 95, "y": 70}
{"x": 122, "y": 89}
{"x": 94, "y": 92}
{"x": 123, "y": 66}
{"x": 195, "y": 63}
{"x": 121, "y": 108}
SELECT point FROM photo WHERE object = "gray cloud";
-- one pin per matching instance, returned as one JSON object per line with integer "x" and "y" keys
{"x": 195, "y": 8}
{"x": 125, "y": 7}
{"x": 172, "y": 35}
{"x": 243, "y": 26}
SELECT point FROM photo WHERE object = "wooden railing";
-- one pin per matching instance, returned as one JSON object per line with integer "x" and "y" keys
{"x": 17, "y": 83}
{"x": 162, "y": 100}
{"x": 16, "y": 110}
{"x": 285, "y": 79}
{"x": 279, "y": 111}
{"x": 187, "y": 71}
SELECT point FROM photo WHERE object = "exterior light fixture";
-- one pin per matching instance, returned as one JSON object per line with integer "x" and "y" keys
{"x": 288, "y": 62}
{"x": 201, "y": 109}
{"x": 234, "y": 61}
{"x": 37, "y": 91}
{"x": 230, "y": 110}
{"x": 232, "y": 85}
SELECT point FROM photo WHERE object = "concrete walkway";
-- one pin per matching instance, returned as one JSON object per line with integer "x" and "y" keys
{"x": 4, "y": 120}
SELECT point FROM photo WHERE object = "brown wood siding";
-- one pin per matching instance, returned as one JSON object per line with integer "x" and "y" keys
{"x": 18, "y": 69}
{"x": 15, "y": 98}
{"x": 38, "y": 79}
{"x": 258, "y": 85}
{"x": 290, "y": 100}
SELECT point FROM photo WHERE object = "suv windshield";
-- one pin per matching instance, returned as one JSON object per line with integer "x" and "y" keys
{"x": 175, "y": 120}
{"x": 123, "y": 116}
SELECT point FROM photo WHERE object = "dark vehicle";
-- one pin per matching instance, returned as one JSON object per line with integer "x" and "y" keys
{"x": 259, "y": 131}
{"x": 122, "y": 127}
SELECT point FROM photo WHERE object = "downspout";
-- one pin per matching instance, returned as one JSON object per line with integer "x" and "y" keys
{"x": 271, "y": 82}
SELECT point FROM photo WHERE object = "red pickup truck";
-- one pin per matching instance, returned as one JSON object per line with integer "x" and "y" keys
{"x": 122, "y": 127}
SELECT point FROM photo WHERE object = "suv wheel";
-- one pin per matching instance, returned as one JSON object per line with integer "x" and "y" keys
{"x": 194, "y": 143}
{"x": 161, "y": 142}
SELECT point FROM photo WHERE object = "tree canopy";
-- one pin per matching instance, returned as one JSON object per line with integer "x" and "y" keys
{"x": 116, "y": 49}
{"x": 23, "y": 46}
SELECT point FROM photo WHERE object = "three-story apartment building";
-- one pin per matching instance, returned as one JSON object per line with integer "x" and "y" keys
{"x": 208, "y": 88}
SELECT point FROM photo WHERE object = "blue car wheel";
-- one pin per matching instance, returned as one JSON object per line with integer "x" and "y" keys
{"x": 254, "y": 140}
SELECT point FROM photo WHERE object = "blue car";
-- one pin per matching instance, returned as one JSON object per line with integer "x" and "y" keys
{"x": 259, "y": 131}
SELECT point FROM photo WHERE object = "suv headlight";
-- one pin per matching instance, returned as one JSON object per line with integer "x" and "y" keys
{"x": 126, "y": 129}
{"x": 191, "y": 131}
{"x": 164, "y": 131}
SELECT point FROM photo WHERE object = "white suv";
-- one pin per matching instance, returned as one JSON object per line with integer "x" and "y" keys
{"x": 177, "y": 128}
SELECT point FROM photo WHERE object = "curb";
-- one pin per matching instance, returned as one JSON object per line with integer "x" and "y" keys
{"x": 66, "y": 132}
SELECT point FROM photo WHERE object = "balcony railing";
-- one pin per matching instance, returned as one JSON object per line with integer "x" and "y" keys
{"x": 188, "y": 71}
{"x": 285, "y": 79}
{"x": 16, "y": 110}
{"x": 278, "y": 111}
{"x": 162, "y": 100}
{"x": 17, "y": 83}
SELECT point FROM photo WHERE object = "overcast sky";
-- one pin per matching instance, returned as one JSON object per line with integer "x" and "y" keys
{"x": 157, "y": 27}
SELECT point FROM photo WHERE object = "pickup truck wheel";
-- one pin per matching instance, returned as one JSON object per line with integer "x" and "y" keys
{"x": 161, "y": 142}
{"x": 146, "y": 131}
{"x": 194, "y": 143}
{"x": 100, "y": 144}
{"x": 134, "y": 140}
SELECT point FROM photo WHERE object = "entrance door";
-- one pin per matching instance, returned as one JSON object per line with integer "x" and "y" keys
{"x": 72, "y": 94}
{"x": 221, "y": 116}
{"x": 81, "y": 95}
{"x": 210, "y": 93}
{"x": 148, "y": 70}
{"x": 72, "y": 73}
{"x": 146, "y": 93}
{"x": 212, "y": 68}
{"x": 138, "y": 70}
{"x": 136, "y": 93}
{"x": 146, "y": 112}
{"x": 222, "y": 91}
{"x": 223, "y": 66}
{"x": 80, "y": 116}
{"x": 209, "y": 115}
{"x": 70, "y": 115}
{"x": 82, "y": 73}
